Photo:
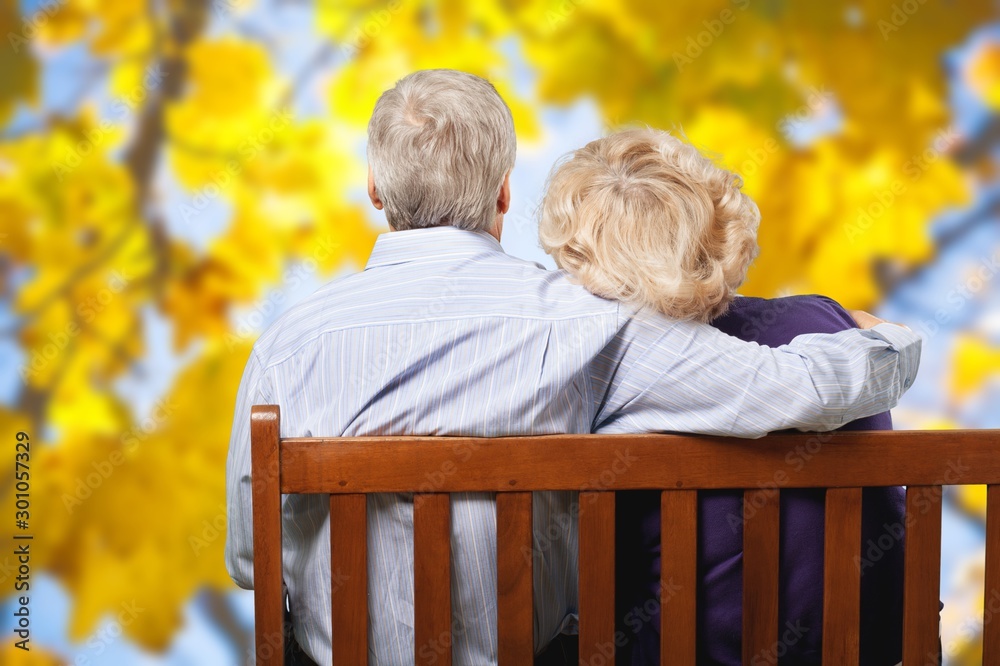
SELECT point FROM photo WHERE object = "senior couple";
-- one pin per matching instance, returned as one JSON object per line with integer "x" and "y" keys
{"x": 640, "y": 331}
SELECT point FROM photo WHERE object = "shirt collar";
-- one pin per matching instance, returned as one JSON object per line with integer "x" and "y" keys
{"x": 398, "y": 247}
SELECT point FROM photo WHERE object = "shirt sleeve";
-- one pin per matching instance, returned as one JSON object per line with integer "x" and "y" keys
{"x": 239, "y": 496}
{"x": 688, "y": 377}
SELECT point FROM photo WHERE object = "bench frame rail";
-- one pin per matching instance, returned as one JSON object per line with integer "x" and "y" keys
{"x": 843, "y": 463}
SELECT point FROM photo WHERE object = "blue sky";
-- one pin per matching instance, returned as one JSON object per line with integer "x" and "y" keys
{"x": 563, "y": 130}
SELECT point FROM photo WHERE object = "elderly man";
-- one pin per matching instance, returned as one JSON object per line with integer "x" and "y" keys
{"x": 444, "y": 334}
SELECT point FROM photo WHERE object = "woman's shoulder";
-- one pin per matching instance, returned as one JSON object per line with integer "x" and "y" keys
{"x": 776, "y": 321}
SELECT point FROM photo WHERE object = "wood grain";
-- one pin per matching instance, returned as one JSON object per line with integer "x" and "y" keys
{"x": 432, "y": 578}
{"x": 678, "y": 576}
{"x": 349, "y": 579}
{"x": 760, "y": 574}
{"x": 991, "y": 611}
{"x": 597, "y": 577}
{"x": 515, "y": 626}
{"x": 572, "y": 462}
{"x": 842, "y": 577}
{"x": 922, "y": 575}
{"x": 268, "y": 598}
{"x": 348, "y": 468}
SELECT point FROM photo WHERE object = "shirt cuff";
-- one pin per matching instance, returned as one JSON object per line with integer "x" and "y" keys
{"x": 907, "y": 343}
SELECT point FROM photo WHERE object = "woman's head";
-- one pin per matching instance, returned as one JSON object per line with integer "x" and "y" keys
{"x": 643, "y": 217}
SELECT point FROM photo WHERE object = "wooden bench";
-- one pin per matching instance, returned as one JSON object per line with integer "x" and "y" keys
{"x": 843, "y": 463}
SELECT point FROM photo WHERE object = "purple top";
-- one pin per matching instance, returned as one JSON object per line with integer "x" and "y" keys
{"x": 770, "y": 322}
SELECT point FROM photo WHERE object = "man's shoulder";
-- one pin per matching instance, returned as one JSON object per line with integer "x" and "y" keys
{"x": 503, "y": 288}
{"x": 307, "y": 318}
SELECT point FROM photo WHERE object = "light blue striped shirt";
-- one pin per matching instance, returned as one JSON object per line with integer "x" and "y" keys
{"x": 445, "y": 334}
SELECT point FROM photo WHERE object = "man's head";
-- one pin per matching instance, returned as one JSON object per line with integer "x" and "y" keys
{"x": 440, "y": 149}
{"x": 640, "y": 216}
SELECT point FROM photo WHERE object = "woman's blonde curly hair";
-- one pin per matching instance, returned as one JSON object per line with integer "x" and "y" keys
{"x": 642, "y": 217}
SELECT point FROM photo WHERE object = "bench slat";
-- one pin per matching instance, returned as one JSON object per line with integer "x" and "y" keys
{"x": 991, "y": 596}
{"x": 678, "y": 576}
{"x": 683, "y": 464}
{"x": 269, "y": 600}
{"x": 843, "y": 460}
{"x": 515, "y": 626}
{"x": 432, "y": 578}
{"x": 760, "y": 573}
{"x": 922, "y": 575}
{"x": 597, "y": 577}
{"x": 842, "y": 577}
{"x": 349, "y": 579}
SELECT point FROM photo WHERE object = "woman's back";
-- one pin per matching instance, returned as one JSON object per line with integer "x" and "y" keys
{"x": 770, "y": 322}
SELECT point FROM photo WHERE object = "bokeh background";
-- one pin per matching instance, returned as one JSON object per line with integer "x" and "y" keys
{"x": 175, "y": 173}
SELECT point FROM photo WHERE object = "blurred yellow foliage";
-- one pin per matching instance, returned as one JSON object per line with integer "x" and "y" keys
{"x": 136, "y": 519}
{"x": 11, "y": 656}
{"x": 834, "y": 114}
{"x": 972, "y": 500}
{"x": 740, "y": 79}
{"x": 984, "y": 74}
{"x": 19, "y": 70}
{"x": 974, "y": 362}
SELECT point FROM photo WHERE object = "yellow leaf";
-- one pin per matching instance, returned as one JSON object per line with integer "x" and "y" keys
{"x": 983, "y": 74}
{"x": 19, "y": 81}
{"x": 37, "y": 656}
{"x": 975, "y": 362}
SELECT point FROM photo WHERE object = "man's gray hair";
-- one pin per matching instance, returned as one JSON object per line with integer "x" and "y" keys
{"x": 439, "y": 144}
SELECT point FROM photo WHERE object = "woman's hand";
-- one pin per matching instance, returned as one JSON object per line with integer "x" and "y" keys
{"x": 866, "y": 320}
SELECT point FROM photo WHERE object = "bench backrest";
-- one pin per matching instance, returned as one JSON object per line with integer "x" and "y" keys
{"x": 843, "y": 463}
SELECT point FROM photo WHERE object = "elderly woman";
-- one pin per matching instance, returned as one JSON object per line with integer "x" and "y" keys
{"x": 644, "y": 218}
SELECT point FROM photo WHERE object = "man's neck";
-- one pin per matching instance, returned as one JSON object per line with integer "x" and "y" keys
{"x": 496, "y": 230}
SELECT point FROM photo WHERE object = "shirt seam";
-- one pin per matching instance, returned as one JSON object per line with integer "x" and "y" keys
{"x": 341, "y": 329}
